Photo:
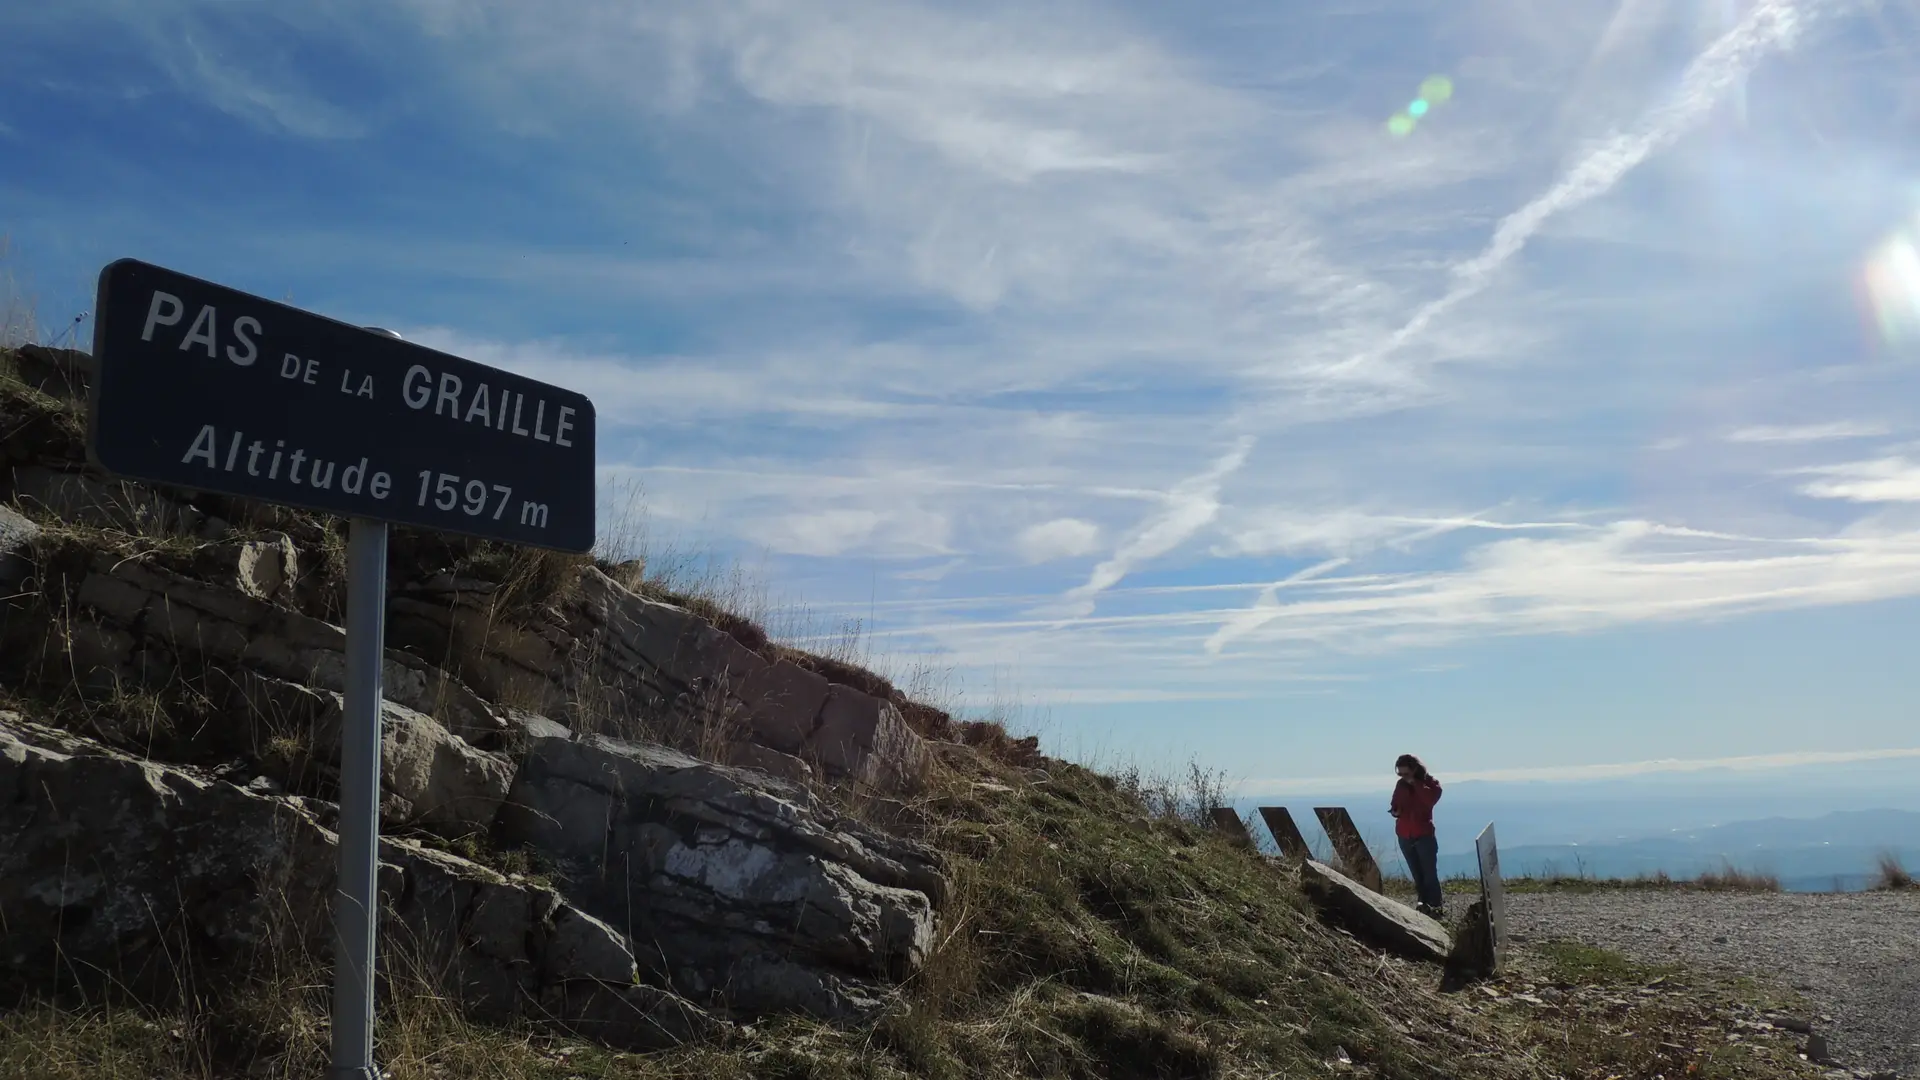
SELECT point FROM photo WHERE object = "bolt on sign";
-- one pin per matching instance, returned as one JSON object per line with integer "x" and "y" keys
{"x": 211, "y": 389}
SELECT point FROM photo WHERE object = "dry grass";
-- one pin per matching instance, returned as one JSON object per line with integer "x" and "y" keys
{"x": 1086, "y": 937}
{"x": 1728, "y": 878}
{"x": 1187, "y": 796}
{"x": 1890, "y": 873}
{"x": 1732, "y": 879}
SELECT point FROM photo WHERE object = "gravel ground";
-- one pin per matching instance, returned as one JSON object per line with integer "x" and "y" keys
{"x": 1855, "y": 956}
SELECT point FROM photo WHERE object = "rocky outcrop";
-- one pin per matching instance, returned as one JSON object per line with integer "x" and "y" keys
{"x": 17, "y": 535}
{"x": 735, "y": 890}
{"x": 135, "y": 874}
{"x": 166, "y": 625}
{"x": 83, "y": 499}
{"x": 432, "y": 777}
{"x": 140, "y": 623}
{"x": 1373, "y": 917}
{"x": 59, "y": 373}
{"x": 610, "y": 660}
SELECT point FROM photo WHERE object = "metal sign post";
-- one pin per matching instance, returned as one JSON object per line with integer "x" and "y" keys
{"x": 206, "y": 388}
{"x": 356, "y": 905}
{"x": 356, "y": 902}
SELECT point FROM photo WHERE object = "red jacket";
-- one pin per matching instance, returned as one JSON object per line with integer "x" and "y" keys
{"x": 1413, "y": 807}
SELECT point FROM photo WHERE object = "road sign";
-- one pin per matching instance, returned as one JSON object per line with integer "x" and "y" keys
{"x": 201, "y": 386}
{"x": 204, "y": 387}
{"x": 1494, "y": 892}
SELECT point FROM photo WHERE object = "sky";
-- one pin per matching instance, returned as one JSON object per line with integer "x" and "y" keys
{"x": 1175, "y": 378}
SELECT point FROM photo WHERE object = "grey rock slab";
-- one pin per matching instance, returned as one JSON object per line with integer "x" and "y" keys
{"x": 783, "y": 704}
{"x": 773, "y": 763}
{"x": 17, "y": 537}
{"x": 124, "y": 868}
{"x": 867, "y": 740}
{"x": 83, "y": 499}
{"x": 733, "y": 886}
{"x": 442, "y": 782}
{"x": 1373, "y": 917}
{"x": 223, "y": 625}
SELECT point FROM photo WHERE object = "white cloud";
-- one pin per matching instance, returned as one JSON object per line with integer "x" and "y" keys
{"x": 224, "y": 82}
{"x": 1061, "y": 538}
{"x": 900, "y": 532}
{"x": 1889, "y": 479}
{"x": 1804, "y": 433}
{"x": 1626, "y": 572}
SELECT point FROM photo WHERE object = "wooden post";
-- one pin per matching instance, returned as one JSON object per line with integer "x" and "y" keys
{"x": 1285, "y": 833}
{"x": 1354, "y": 857}
{"x": 1227, "y": 820}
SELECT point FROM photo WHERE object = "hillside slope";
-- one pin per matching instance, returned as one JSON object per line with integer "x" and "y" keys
{"x": 917, "y": 897}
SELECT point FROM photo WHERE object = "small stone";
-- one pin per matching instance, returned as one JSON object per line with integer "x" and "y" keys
{"x": 1817, "y": 1049}
{"x": 266, "y": 566}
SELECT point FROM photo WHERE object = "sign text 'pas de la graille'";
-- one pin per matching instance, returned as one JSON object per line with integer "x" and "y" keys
{"x": 205, "y": 387}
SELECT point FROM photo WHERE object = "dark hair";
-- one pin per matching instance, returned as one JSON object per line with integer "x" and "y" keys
{"x": 1414, "y": 763}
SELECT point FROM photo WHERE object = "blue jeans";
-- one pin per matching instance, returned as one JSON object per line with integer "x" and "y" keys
{"x": 1423, "y": 855}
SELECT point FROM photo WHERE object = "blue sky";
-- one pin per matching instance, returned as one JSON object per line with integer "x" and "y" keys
{"x": 1117, "y": 357}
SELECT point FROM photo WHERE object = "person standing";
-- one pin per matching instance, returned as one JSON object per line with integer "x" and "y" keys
{"x": 1413, "y": 800}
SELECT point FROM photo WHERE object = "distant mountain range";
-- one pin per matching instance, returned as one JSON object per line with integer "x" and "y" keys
{"x": 1813, "y": 828}
{"x": 1838, "y": 850}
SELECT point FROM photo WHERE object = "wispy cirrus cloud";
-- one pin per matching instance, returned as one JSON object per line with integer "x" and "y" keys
{"x": 1124, "y": 347}
{"x": 1806, "y": 433}
{"x": 1881, "y": 480}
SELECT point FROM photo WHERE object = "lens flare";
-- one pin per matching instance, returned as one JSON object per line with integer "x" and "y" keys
{"x": 1434, "y": 90}
{"x": 1891, "y": 282}
{"x": 1437, "y": 89}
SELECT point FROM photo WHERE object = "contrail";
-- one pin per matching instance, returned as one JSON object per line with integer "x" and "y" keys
{"x": 1266, "y": 607}
{"x": 1190, "y": 507}
{"x": 1770, "y": 27}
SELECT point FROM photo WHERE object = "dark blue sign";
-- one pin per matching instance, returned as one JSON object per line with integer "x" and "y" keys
{"x": 208, "y": 388}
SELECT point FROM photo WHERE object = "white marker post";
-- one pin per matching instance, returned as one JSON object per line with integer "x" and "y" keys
{"x": 1494, "y": 891}
{"x": 356, "y": 901}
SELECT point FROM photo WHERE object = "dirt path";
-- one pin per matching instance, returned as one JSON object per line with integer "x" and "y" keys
{"x": 1855, "y": 956}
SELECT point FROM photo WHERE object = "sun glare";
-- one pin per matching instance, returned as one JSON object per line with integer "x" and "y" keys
{"x": 1891, "y": 281}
